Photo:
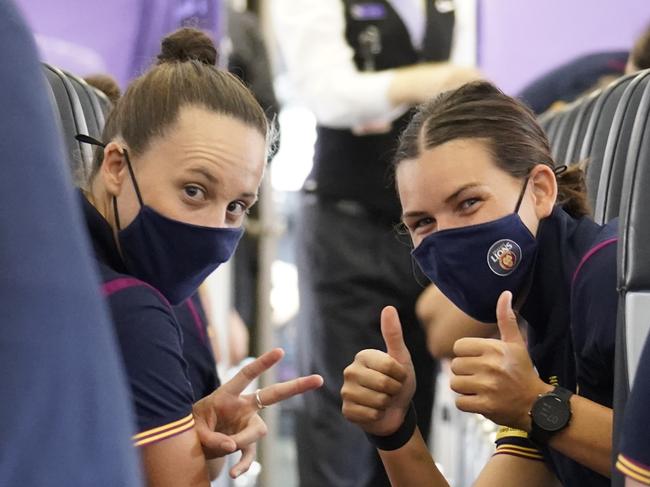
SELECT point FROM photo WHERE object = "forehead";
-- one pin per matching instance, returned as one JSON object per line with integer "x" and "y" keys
{"x": 444, "y": 168}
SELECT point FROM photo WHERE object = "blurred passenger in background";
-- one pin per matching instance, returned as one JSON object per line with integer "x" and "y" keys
{"x": 359, "y": 66}
{"x": 106, "y": 84}
{"x": 573, "y": 79}
{"x": 640, "y": 56}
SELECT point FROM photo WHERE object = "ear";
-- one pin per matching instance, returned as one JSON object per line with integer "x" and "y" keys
{"x": 113, "y": 170}
{"x": 544, "y": 189}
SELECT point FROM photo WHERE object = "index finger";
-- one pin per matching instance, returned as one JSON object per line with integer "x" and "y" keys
{"x": 252, "y": 371}
{"x": 471, "y": 347}
{"x": 284, "y": 390}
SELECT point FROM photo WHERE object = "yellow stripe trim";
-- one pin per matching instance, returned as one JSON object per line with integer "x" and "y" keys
{"x": 162, "y": 428}
{"x": 166, "y": 434}
{"x": 632, "y": 474}
{"x": 522, "y": 448}
{"x": 505, "y": 432}
{"x": 633, "y": 466}
{"x": 517, "y": 453}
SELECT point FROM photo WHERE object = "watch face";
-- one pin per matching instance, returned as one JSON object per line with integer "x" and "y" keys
{"x": 550, "y": 413}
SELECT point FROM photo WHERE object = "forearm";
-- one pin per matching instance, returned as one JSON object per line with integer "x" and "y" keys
{"x": 413, "y": 85}
{"x": 588, "y": 437}
{"x": 412, "y": 465}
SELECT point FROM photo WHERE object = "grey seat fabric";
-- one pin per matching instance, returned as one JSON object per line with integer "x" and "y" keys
{"x": 90, "y": 105}
{"x": 608, "y": 198}
{"x": 597, "y": 132}
{"x": 73, "y": 122}
{"x": 634, "y": 261}
{"x": 579, "y": 128}
{"x": 560, "y": 145}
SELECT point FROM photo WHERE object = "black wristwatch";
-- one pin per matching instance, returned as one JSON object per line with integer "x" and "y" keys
{"x": 550, "y": 413}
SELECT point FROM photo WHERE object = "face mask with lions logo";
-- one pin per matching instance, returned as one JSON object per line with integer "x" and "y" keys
{"x": 473, "y": 265}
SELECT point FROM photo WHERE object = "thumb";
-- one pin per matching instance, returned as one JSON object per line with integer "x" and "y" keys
{"x": 391, "y": 330}
{"x": 506, "y": 319}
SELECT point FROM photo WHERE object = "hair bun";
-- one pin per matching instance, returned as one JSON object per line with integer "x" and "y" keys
{"x": 188, "y": 44}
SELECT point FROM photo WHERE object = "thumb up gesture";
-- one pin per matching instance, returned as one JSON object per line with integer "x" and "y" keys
{"x": 378, "y": 386}
{"x": 496, "y": 377}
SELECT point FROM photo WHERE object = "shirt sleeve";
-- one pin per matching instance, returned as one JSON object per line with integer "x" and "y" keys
{"x": 634, "y": 457}
{"x": 151, "y": 344}
{"x": 515, "y": 442}
{"x": 320, "y": 63}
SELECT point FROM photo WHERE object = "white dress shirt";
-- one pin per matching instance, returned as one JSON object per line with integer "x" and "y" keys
{"x": 320, "y": 62}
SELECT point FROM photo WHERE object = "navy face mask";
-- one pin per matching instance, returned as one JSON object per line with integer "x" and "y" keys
{"x": 473, "y": 265}
{"x": 173, "y": 256}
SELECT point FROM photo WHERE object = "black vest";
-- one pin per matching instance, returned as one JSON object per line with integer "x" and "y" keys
{"x": 357, "y": 168}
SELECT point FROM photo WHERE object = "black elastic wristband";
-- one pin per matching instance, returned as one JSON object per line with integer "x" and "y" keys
{"x": 400, "y": 437}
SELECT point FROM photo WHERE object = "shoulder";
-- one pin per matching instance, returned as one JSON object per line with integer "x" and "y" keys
{"x": 150, "y": 342}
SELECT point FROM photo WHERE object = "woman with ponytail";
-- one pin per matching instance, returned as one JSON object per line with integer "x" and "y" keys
{"x": 178, "y": 167}
{"x": 500, "y": 230}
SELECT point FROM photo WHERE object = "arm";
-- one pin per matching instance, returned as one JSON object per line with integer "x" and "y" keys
{"x": 160, "y": 389}
{"x": 377, "y": 390}
{"x": 512, "y": 471}
{"x": 496, "y": 378}
{"x": 444, "y": 323}
{"x": 588, "y": 437}
{"x": 177, "y": 461}
{"x": 412, "y": 465}
{"x": 311, "y": 37}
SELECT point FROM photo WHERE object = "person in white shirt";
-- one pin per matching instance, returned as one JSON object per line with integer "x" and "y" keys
{"x": 359, "y": 66}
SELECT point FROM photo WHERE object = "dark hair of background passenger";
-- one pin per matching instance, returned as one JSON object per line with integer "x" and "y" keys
{"x": 185, "y": 75}
{"x": 640, "y": 55}
{"x": 479, "y": 110}
{"x": 106, "y": 84}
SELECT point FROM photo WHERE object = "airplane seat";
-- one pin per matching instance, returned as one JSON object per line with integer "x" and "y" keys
{"x": 610, "y": 187}
{"x": 104, "y": 103}
{"x": 90, "y": 105}
{"x": 633, "y": 325}
{"x": 560, "y": 145}
{"x": 580, "y": 128}
{"x": 72, "y": 121}
{"x": 597, "y": 132}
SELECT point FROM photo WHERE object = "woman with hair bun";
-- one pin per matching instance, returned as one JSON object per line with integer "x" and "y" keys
{"x": 181, "y": 160}
{"x": 498, "y": 228}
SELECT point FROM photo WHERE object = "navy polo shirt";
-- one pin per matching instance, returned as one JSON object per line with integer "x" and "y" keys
{"x": 634, "y": 457}
{"x": 197, "y": 348}
{"x": 150, "y": 339}
{"x": 571, "y": 311}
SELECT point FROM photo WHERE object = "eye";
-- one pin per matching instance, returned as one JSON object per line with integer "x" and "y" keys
{"x": 468, "y": 203}
{"x": 195, "y": 193}
{"x": 423, "y": 222}
{"x": 237, "y": 208}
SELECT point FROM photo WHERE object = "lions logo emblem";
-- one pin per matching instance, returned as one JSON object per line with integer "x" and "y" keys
{"x": 504, "y": 257}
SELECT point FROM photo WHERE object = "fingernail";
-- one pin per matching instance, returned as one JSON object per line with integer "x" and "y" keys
{"x": 226, "y": 445}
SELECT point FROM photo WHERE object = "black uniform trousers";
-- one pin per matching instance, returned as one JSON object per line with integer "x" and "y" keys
{"x": 350, "y": 266}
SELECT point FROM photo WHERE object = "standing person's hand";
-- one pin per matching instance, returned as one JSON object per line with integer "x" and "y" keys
{"x": 496, "y": 377}
{"x": 227, "y": 420}
{"x": 378, "y": 386}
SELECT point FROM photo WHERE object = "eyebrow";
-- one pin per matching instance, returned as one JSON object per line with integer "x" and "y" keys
{"x": 214, "y": 180}
{"x": 454, "y": 195}
{"x": 205, "y": 173}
